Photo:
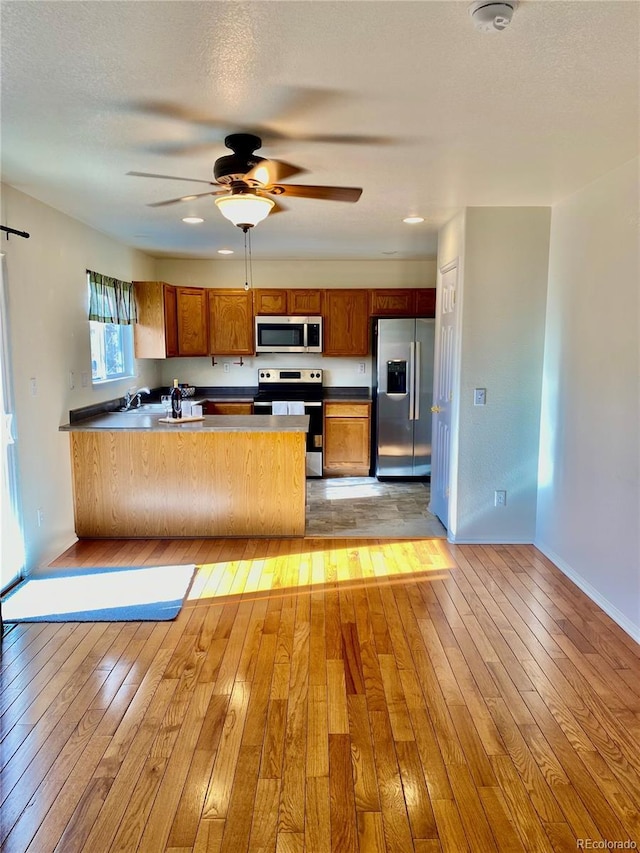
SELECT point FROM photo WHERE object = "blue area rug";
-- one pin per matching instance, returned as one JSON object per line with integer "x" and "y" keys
{"x": 132, "y": 593}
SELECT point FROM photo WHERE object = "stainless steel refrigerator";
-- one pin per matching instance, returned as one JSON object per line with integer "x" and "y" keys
{"x": 403, "y": 395}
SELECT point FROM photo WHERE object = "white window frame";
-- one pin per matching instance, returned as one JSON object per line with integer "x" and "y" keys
{"x": 125, "y": 348}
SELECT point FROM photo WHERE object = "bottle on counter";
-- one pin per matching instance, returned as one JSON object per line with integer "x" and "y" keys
{"x": 176, "y": 401}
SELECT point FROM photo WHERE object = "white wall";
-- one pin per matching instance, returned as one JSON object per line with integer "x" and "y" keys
{"x": 505, "y": 283}
{"x": 589, "y": 484}
{"x": 49, "y": 337}
{"x": 230, "y": 272}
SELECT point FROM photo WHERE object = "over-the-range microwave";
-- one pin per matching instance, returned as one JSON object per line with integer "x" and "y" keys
{"x": 288, "y": 334}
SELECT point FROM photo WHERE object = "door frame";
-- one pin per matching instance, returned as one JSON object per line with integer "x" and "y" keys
{"x": 454, "y": 410}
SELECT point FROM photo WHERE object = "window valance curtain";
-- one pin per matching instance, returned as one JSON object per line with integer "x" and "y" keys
{"x": 111, "y": 300}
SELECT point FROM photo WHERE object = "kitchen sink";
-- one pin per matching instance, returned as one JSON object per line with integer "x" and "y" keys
{"x": 126, "y": 420}
{"x": 144, "y": 408}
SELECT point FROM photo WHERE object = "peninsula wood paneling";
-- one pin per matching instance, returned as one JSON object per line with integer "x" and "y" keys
{"x": 145, "y": 483}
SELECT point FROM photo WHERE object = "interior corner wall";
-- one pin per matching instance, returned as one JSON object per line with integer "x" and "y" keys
{"x": 49, "y": 341}
{"x": 501, "y": 350}
{"x": 589, "y": 484}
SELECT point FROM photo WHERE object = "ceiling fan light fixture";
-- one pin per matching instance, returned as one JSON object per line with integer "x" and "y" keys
{"x": 244, "y": 209}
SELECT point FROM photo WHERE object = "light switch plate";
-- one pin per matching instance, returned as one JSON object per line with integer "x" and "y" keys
{"x": 479, "y": 396}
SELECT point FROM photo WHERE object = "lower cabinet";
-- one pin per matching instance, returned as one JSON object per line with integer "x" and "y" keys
{"x": 209, "y": 407}
{"x": 347, "y": 439}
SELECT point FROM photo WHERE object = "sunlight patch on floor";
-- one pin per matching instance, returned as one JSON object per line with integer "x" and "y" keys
{"x": 311, "y": 567}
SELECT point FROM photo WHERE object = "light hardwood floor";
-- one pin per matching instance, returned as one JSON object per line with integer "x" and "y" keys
{"x": 327, "y": 696}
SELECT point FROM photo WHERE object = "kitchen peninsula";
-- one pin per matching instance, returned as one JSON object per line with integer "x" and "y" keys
{"x": 226, "y": 475}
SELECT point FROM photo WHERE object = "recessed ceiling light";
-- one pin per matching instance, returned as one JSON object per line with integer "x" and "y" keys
{"x": 225, "y": 251}
{"x": 193, "y": 220}
{"x": 413, "y": 220}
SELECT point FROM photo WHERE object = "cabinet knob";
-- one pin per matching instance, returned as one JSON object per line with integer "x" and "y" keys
{"x": 436, "y": 409}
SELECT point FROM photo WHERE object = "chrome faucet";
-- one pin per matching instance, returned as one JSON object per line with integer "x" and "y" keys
{"x": 132, "y": 399}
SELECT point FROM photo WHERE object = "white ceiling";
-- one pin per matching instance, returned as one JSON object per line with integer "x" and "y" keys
{"x": 454, "y": 117}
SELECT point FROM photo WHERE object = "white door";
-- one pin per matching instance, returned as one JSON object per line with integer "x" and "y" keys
{"x": 443, "y": 382}
{"x": 11, "y": 540}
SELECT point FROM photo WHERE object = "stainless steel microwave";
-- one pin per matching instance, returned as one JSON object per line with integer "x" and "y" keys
{"x": 288, "y": 334}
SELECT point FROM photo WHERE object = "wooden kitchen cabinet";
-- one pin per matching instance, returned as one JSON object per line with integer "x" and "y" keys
{"x": 230, "y": 322}
{"x": 155, "y": 335}
{"x": 285, "y": 301}
{"x": 346, "y": 322}
{"x": 304, "y": 302}
{"x": 347, "y": 439}
{"x": 426, "y": 302}
{"x": 211, "y": 407}
{"x": 393, "y": 302}
{"x": 193, "y": 338}
{"x": 270, "y": 301}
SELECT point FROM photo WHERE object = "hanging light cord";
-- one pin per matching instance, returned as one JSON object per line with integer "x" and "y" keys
{"x": 248, "y": 268}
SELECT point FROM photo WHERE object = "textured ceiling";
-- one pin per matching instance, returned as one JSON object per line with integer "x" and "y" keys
{"x": 453, "y": 117}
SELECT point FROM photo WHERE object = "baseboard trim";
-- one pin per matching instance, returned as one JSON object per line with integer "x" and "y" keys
{"x": 486, "y": 540}
{"x": 627, "y": 625}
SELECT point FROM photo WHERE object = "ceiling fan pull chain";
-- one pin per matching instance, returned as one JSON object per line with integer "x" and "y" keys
{"x": 250, "y": 264}
{"x": 246, "y": 274}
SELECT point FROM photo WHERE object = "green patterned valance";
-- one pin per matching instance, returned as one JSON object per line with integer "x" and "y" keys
{"x": 111, "y": 300}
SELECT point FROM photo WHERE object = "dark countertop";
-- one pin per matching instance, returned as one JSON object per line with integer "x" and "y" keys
{"x": 215, "y": 394}
{"x": 150, "y": 422}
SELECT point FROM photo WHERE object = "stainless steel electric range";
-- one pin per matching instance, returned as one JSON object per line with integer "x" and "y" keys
{"x": 291, "y": 391}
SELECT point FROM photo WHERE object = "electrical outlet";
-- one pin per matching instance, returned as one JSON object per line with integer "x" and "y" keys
{"x": 33, "y": 386}
{"x": 40, "y": 516}
{"x": 362, "y": 367}
{"x": 72, "y": 380}
{"x": 480, "y": 397}
{"x": 226, "y": 367}
{"x": 499, "y": 498}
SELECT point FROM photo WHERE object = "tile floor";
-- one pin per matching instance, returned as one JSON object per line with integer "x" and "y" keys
{"x": 362, "y": 506}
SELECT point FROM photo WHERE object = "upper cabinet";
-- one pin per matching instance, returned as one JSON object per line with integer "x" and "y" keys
{"x": 192, "y": 313}
{"x": 403, "y": 302}
{"x": 426, "y": 302}
{"x": 198, "y": 321}
{"x": 282, "y": 301}
{"x": 155, "y": 335}
{"x": 272, "y": 301}
{"x": 346, "y": 322}
{"x": 393, "y": 302}
{"x": 230, "y": 322}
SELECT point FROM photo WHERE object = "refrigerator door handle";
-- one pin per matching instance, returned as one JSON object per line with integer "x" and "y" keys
{"x": 416, "y": 384}
{"x": 412, "y": 384}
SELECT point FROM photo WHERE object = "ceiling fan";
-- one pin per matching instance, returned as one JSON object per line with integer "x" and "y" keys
{"x": 245, "y": 183}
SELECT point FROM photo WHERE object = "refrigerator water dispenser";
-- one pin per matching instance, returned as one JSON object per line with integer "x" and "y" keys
{"x": 397, "y": 376}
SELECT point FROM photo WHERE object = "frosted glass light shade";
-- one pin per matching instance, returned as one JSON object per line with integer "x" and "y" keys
{"x": 244, "y": 208}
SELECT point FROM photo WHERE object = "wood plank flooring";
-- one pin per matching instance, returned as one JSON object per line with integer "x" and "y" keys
{"x": 327, "y": 696}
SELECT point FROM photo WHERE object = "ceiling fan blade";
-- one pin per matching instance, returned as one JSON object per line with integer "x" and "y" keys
{"x": 269, "y": 172}
{"x": 351, "y": 194}
{"x": 171, "y": 178}
{"x": 277, "y": 208}
{"x": 183, "y": 198}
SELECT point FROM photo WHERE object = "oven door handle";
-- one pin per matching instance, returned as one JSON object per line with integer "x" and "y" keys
{"x": 307, "y": 404}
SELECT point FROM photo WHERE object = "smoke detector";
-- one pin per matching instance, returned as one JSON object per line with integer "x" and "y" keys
{"x": 490, "y": 17}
